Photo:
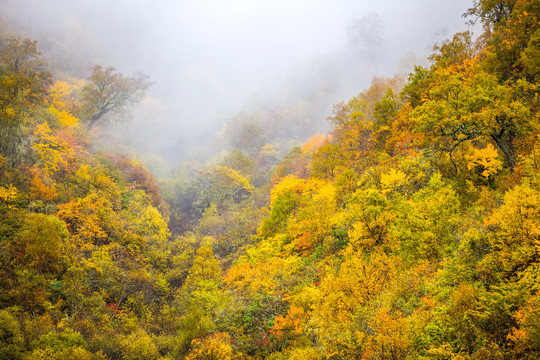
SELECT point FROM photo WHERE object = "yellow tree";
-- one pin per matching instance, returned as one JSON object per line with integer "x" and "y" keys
{"x": 463, "y": 100}
{"x": 514, "y": 230}
{"x": 51, "y": 150}
{"x": 342, "y": 307}
{"x": 426, "y": 224}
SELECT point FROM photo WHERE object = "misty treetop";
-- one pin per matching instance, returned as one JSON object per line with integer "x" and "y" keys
{"x": 108, "y": 90}
{"x": 408, "y": 231}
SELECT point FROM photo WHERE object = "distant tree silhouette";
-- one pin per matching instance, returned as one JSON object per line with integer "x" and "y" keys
{"x": 366, "y": 36}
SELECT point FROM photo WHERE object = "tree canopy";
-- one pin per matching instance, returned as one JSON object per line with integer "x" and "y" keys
{"x": 109, "y": 91}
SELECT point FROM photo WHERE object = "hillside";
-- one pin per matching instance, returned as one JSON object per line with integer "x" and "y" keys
{"x": 410, "y": 231}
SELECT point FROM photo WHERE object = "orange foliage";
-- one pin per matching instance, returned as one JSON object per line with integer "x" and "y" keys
{"x": 290, "y": 325}
{"x": 40, "y": 190}
{"x": 304, "y": 243}
{"x": 314, "y": 143}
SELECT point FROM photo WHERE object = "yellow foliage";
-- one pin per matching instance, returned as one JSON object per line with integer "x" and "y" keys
{"x": 392, "y": 180}
{"x": 321, "y": 190}
{"x": 515, "y": 228}
{"x": 7, "y": 195}
{"x": 51, "y": 150}
{"x": 345, "y": 292}
{"x": 234, "y": 176}
{"x": 518, "y": 219}
{"x": 486, "y": 161}
{"x": 65, "y": 118}
{"x": 315, "y": 219}
{"x": 93, "y": 178}
{"x": 525, "y": 339}
{"x": 9, "y": 112}
{"x": 82, "y": 173}
{"x": 287, "y": 184}
{"x": 372, "y": 218}
{"x": 389, "y": 339}
{"x": 314, "y": 143}
{"x": 267, "y": 276}
{"x": 85, "y": 218}
{"x": 152, "y": 226}
{"x": 444, "y": 352}
{"x": 214, "y": 347}
{"x": 139, "y": 346}
{"x": 64, "y": 94}
{"x": 307, "y": 298}
{"x": 302, "y": 353}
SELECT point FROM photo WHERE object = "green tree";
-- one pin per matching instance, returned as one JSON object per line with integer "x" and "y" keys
{"x": 11, "y": 337}
{"x": 491, "y": 11}
{"x": 139, "y": 346}
{"x": 24, "y": 79}
{"x": 109, "y": 91}
{"x": 466, "y": 105}
{"x": 216, "y": 184}
{"x": 326, "y": 161}
{"x": 200, "y": 297}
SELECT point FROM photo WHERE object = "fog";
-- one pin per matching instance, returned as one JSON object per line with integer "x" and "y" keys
{"x": 209, "y": 59}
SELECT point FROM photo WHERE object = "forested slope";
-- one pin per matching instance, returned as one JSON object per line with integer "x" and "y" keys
{"x": 410, "y": 231}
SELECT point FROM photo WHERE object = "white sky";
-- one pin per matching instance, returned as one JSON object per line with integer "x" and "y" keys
{"x": 208, "y": 56}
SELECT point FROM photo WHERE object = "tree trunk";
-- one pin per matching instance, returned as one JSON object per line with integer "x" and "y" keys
{"x": 95, "y": 118}
{"x": 504, "y": 140}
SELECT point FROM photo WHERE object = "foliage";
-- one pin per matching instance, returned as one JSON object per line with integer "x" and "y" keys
{"x": 109, "y": 91}
{"x": 409, "y": 232}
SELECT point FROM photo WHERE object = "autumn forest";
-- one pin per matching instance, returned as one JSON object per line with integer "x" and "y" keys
{"x": 411, "y": 230}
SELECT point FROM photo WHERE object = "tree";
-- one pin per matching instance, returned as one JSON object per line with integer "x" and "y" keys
{"x": 355, "y": 121}
{"x": 216, "y": 184}
{"x": 109, "y": 91}
{"x": 139, "y": 346}
{"x": 24, "y": 79}
{"x": 512, "y": 49}
{"x": 200, "y": 297}
{"x": 491, "y": 11}
{"x": 467, "y": 104}
{"x": 366, "y": 36}
{"x": 326, "y": 161}
{"x": 215, "y": 347}
{"x": 11, "y": 337}
{"x": 23, "y": 72}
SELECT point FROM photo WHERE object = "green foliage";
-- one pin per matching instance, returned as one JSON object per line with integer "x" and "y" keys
{"x": 139, "y": 346}
{"x": 12, "y": 343}
{"x": 491, "y": 11}
{"x": 427, "y": 226}
{"x": 216, "y": 184}
{"x": 109, "y": 91}
{"x": 326, "y": 162}
{"x": 58, "y": 341}
{"x": 24, "y": 79}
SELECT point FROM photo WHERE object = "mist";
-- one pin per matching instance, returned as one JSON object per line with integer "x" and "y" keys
{"x": 210, "y": 59}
